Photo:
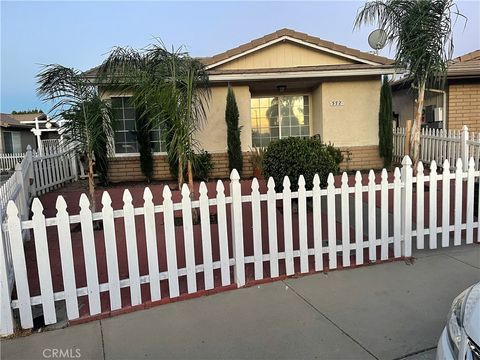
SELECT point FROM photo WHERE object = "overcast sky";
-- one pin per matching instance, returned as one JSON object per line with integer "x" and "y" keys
{"x": 79, "y": 34}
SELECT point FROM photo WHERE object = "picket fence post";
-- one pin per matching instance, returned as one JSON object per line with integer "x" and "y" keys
{"x": 31, "y": 173}
{"x": 464, "y": 147}
{"x": 19, "y": 266}
{"x": 257, "y": 230}
{"x": 223, "y": 234}
{"x": 6, "y": 320}
{"x": 272, "y": 228}
{"x": 23, "y": 192}
{"x": 206, "y": 237}
{"x": 237, "y": 228}
{"x": 170, "y": 243}
{"x": 406, "y": 209}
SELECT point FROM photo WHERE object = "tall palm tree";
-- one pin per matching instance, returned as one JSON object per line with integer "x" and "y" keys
{"x": 88, "y": 120}
{"x": 421, "y": 32}
{"x": 173, "y": 90}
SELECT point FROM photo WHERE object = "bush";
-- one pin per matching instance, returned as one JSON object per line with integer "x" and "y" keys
{"x": 202, "y": 165}
{"x": 336, "y": 154}
{"x": 295, "y": 156}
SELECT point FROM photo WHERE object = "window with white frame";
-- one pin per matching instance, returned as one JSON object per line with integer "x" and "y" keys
{"x": 126, "y": 130}
{"x": 277, "y": 117}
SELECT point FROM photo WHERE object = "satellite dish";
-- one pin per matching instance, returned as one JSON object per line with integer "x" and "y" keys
{"x": 377, "y": 39}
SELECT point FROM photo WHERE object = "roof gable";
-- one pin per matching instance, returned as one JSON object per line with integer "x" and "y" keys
{"x": 326, "y": 48}
{"x": 284, "y": 54}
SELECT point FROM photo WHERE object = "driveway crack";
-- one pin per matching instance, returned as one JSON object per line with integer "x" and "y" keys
{"x": 463, "y": 262}
{"x": 103, "y": 344}
{"x": 329, "y": 320}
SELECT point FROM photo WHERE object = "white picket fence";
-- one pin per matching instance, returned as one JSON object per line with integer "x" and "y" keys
{"x": 53, "y": 146}
{"x": 33, "y": 175}
{"x": 54, "y": 170}
{"x": 49, "y": 147}
{"x": 8, "y": 161}
{"x": 18, "y": 187}
{"x": 441, "y": 145}
{"x": 16, "y": 190}
{"x": 365, "y": 224}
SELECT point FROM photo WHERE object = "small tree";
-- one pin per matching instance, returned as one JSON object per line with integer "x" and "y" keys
{"x": 235, "y": 160}
{"x": 173, "y": 87}
{"x": 89, "y": 122}
{"x": 385, "y": 127}
{"x": 421, "y": 32}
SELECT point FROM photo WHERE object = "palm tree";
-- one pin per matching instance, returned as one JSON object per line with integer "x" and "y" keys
{"x": 421, "y": 32}
{"x": 88, "y": 120}
{"x": 173, "y": 90}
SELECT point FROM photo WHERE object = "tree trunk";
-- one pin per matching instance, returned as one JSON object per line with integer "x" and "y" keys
{"x": 417, "y": 126}
{"x": 195, "y": 211}
{"x": 190, "y": 178}
{"x": 180, "y": 173}
{"x": 91, "y": 185}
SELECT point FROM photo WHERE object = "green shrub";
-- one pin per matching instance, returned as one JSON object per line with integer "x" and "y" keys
{"x": 336, "y": 154}
{"x": 296, "y": 156}
{"x": 202, "y": 165}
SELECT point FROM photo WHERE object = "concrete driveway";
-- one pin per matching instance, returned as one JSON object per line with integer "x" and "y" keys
{"x": 388, "y": 311}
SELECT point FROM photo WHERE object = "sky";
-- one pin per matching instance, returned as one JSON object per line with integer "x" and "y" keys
{"x": 79, "y": 34}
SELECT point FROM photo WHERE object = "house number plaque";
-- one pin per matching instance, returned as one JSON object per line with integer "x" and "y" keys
{"x": 336, "y": 103}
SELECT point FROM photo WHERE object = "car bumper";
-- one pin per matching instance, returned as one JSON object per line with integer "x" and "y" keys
{"x": 443, "y": 348}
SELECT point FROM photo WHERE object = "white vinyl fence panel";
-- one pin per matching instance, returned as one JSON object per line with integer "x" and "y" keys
{"x": 8, "y": 161}
{"x": 441, "y": 145}
{"x": 334, "y": 226}
{"x": 33, "y": 175}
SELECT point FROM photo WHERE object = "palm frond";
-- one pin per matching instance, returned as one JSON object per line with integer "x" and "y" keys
{"x": 419, "y": 30}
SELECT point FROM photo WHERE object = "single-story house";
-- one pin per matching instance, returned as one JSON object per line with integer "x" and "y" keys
{"x": 16, "y": 132}
{"x": 456, "y": 105}
{"x": 286, "y": 83}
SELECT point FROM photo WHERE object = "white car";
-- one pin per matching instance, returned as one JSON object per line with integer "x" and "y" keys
{"x": 460, "y": 339}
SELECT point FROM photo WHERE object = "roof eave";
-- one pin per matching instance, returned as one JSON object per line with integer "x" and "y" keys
{"x": 302, "y": 74}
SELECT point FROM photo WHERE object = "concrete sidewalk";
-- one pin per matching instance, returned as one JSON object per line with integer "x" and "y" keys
{"x": 388, "y": 311}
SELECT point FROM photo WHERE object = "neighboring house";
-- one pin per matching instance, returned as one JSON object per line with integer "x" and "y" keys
{"x": 286, "y": 84}
{"x": 15, "y": 136}
{"x": 16, "y": 132}
{"x": 457, "y": 105}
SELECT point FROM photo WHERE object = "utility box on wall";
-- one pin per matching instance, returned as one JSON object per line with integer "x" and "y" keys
{"x": 438, "y": 114}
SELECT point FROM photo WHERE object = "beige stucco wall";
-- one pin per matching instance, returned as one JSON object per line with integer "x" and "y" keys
{"x": 284, "y": 54}
{"x": 356, "y": 122}
{"x": 213, "y": 135}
